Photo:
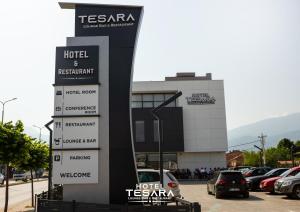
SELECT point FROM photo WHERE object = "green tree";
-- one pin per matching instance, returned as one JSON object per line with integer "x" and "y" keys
{"x": 297, "y": 143}
{"x": 36, "y": 157}
{"x": 12, "y": 148}
{"x": 285, "y": 143}
{"x": 251, "y": 158}
{"x": 273, "y": 155}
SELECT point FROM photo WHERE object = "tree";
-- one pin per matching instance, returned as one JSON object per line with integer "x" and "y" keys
{"x": 285, "y": 143}
{"x": 251, "y": 158}
{"x": 36, "y": 157}
{"x": 273, "y": 155}
{"x": 12, "y": 148}
{"x": 297, "y": 143}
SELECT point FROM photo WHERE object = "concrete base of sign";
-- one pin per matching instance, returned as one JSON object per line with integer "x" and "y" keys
{"x": 96, "y": 193}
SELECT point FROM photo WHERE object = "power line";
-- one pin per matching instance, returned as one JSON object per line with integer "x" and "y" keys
{"x": 244, "y": 144}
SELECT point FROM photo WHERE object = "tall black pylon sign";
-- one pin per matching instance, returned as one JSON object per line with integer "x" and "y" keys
{"x": 120, "y": 24}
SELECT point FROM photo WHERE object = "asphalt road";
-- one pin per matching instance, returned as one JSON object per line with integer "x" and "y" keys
{"x": 257, "y": 202}
{"x": 21, "y": 193}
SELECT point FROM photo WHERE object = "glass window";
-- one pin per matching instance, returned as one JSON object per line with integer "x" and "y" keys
{"x": 136, "y": 97}
{"x": 151, "y": 100}
{"x": 172, "y": 104}
{"x": 145, "y": 177}
{"x": 153, "y": 157}
{"x": 136, "y": 104}
{"x": 169, "y": 95}
{"x": 159, "y": 97}
{"x": 157, "y": 103}
{"x": 155, "y": 130}
{"x": 139, "y": 131}
{"x": 147, "y": 104}
{"x": 147, "y": 97}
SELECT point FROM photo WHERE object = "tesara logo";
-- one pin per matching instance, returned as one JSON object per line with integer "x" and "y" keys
{"x": 104, "y": 19}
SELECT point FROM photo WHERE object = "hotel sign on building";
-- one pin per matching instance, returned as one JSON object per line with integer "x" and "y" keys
{"x": 76, "y": 65}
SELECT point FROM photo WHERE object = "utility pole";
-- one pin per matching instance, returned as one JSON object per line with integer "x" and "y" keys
{"x": 260, "y": 155}
{"x": 263, "y": 143}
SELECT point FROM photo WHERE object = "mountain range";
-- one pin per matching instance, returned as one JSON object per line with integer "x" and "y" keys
{"x": 275, "y": 128}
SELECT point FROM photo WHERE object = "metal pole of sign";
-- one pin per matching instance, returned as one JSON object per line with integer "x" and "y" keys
{"x": 160, "y": 130}
{"x": 50, "y": 159}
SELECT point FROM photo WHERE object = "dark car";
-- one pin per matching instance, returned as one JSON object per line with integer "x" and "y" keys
{"x": 254, "y": 182}
{"x": 257, "y": 171}
{"x": 227, "y": 183}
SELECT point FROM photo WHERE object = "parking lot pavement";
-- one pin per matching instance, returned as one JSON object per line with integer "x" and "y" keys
{"x": 258, "y": 201}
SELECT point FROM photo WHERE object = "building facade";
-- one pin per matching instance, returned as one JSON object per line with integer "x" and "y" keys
{"x": 193, "y": 127}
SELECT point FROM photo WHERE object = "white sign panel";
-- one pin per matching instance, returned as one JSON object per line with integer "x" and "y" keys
{"x": 76, "y": 133}
{"x": 76, "y": 100}
{"x": 75, "y": 167}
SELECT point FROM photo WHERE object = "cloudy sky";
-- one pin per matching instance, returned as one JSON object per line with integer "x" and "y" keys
{"x": 253, "y": 45}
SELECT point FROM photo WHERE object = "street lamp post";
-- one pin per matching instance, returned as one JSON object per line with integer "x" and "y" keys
{"x": 40, "y": 128}
{"x": 3, "y": 104}
{"x": 160, "y": 138}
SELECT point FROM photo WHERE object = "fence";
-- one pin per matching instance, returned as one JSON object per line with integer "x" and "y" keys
{"x": 43, "y": 204}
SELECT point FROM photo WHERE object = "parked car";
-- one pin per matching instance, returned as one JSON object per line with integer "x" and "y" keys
{"x": 21, "y": 175}
{"x": 254, "y": 182}
{"x": 256, "y": 171}
{"x": 238, "y": 168}
{"x": 1, "y": 179}
{"x": 289, "y": 186}
{"x": 268, "y": 184}
{"x": 151, "y": 176}
{"x": 227, "y": 183}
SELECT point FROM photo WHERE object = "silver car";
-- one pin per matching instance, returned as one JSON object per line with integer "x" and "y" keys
{"x": 289, "y": 186}
{"x": 1, "y": 179}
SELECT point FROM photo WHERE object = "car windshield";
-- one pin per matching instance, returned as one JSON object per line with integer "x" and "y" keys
{"x": 297, "y": 175}
{"x": 284, "y": 174}
{"x": 269, "y": 173}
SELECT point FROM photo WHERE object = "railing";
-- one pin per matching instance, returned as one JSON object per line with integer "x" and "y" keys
{"x": 43, "y": 204}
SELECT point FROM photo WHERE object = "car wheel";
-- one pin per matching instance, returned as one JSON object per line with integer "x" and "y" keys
{"x": 296, "y": 192}
{"x": 246, "y": 195}
{"x": 217, "y": 195}
{"x": 208, "y": 191}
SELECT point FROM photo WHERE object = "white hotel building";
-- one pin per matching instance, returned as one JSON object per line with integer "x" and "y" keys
{"x": 194, "y": 127}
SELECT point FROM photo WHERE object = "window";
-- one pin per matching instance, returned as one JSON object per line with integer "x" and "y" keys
{"x": 151, "y": 100}
{"x": 147, "y": 104}
{"x": 155, "y": 131}
{"x": 139, "y": 131}
{"x": 136, "y": 104}
{"x": 145, "y": 177}
{"x": 136, "y": 98}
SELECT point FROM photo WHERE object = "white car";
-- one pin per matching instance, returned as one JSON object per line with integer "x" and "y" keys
{"x": 1, "y": 179}
{"x": 21, "y": 175}
{"x": 149, "y": 180}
